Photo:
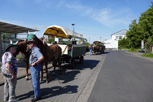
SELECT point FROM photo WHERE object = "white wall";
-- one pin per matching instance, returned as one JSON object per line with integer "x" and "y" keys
{"x": 57, "y": 39}
{"x": 111, "y": 43}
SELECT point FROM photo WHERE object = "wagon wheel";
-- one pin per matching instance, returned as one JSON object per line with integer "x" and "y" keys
{"x": 81, "y": 59}
{"x": 72, "y": 63}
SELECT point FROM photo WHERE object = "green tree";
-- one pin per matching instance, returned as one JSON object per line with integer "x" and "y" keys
{"x": 124, "y": 43}
{"x": 51, "y": 39}
{"x": 143, "y": 30}
{"x": 146, "y": 22}
{"x": 134, "y": 35}
{"x": 120, "y": 37}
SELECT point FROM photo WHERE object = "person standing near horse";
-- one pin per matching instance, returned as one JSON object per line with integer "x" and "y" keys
{"x": 9, "y": 71}
{"x": 90, "y": 48}
{"x": 34, "y": 62}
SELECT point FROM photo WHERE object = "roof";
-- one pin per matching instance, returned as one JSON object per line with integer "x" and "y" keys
{"x": 98, "y": 42}
{"x": 63, "y": 32}
{"x": 121, "y": 32}
{"x": 12, "y": 28}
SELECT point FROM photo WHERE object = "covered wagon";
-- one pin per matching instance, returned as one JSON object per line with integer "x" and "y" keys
{"x": 70, "y": 52}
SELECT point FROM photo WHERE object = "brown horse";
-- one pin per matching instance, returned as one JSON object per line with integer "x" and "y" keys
{"x": 98, "y": 49}
{"x": 22, "y": 47}
{"x": 51, "y": 54}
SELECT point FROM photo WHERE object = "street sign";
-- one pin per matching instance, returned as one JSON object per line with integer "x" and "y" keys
{"x": 142, "y": 44}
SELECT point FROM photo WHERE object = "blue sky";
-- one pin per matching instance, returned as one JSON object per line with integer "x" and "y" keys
{"x": 92, "y": 18}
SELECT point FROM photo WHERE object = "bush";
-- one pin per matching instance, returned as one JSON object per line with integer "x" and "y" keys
{"x": 132, "y": 49}
{"x": 150, "y": 55}
{"x": 19, "y": 57}
{"x": 87, "y": 48}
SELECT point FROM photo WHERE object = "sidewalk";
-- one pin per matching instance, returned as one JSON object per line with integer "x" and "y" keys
{"x": 74, "y": 85}
{"x": 138, "y": 54}
{"x": 21, "y": 70}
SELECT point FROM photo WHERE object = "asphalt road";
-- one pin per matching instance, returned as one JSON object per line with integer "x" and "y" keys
{"x": 124, "y": 78}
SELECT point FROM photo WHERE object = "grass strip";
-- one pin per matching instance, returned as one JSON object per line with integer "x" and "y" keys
{"x": 150, "y": 55}
{"x": 133, "y": 51}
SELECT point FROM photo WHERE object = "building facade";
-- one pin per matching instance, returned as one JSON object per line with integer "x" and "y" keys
{"x": 113, "y": 42}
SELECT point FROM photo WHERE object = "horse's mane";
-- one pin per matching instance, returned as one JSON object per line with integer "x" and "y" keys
{"x": 37, "y": 39}
{"x": 22, "y": 46}
{"x": 40, "y": 44}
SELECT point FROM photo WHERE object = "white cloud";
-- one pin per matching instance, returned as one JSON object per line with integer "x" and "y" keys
{"x": 76, "y": 7}
{"x": 111, "y": 18}
{"x": 106, "y": 16}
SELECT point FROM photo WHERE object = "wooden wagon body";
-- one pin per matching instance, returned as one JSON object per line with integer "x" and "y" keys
{"x": 98, "y": 47}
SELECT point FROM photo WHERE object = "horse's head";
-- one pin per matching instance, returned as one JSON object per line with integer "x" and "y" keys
{"x": 38, "y": 42}
{"x": 22, "y": 47}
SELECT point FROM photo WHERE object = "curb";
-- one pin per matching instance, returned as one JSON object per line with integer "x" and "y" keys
{"x": 87, "y": 87}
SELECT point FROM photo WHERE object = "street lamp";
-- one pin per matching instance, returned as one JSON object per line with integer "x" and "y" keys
{"x": 100, "y": 38}
{"x": 73, "y": 30}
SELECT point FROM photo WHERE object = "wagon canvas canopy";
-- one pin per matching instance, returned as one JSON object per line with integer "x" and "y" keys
{"x": 64, "y": 32}
{"x": 98, "y": 42}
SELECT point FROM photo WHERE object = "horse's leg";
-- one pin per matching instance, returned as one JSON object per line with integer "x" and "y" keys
{"x": 47, "y": 80}
{"x": 54, "y": 65}
{"x": 59, "y": 65}
{"x": 27, "y": 67}
{"x": 41, "y": 78}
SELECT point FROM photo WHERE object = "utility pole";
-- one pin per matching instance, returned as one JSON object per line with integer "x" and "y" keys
{"x": 73, "y": 30}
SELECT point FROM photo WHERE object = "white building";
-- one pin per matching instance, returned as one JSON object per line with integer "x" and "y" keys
{"x": 113, "y": 42}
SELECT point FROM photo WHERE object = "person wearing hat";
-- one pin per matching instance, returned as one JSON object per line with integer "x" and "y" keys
{"x": 9, "y": 71}
{"x": 34, "y": 62}
{"x": 90, "y": 48}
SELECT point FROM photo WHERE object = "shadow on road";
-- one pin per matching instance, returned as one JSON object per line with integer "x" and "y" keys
{"x": 65, "y": 77}
{"x": 70, "y": 74}
{"x": 20, "y": 64}
{"x": 58, "y": 90}
{"x": 87, "y": 64}
{"x": 106, "y": 52}
{"x": 53, "y": 91}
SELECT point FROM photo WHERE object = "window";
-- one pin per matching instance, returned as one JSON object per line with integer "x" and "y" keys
{"x": 117, "y": 37}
